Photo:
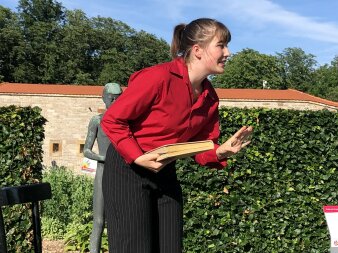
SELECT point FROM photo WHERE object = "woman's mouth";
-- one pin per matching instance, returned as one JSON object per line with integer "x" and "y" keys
{"x": 222, "y": 62}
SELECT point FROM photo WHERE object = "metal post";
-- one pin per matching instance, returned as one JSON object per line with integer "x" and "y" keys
{"x": 36, "y": 227}
{"x": 3, "y": 246}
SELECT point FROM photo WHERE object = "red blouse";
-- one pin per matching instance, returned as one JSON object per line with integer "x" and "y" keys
{"x": 157, "y": 108}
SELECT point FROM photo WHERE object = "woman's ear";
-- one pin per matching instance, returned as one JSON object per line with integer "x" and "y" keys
{"x": 197, "y": 51}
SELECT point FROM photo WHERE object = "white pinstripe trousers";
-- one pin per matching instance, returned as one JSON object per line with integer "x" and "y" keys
{"x": 143, "y": 209}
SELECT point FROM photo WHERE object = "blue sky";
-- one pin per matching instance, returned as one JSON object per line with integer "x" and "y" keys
{"x": 263, "y": 25}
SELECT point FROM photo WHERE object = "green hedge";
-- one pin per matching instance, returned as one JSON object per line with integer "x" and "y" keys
{"x": 270, "y": 197}
{"x": 21, "y": 137}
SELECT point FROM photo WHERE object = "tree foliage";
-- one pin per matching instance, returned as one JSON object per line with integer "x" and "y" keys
{"x": 326, "y": 81}
{"x": 292, "y": 68}
{"x": 10, "y": 38}
{"x": 297, "y": 68}
{"x": 249, "y": 69}
{"x": 45, "y": 43}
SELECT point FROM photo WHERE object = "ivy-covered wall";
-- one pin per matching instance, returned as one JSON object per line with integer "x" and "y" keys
{"x": 21, "y": 137}
{"x": 270, "y": 197}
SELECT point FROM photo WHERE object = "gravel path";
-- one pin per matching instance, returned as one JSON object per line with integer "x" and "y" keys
{"x": 49, "y": 246}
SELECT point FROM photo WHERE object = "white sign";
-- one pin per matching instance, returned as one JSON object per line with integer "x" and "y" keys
{"x": 89, "y": 165}
{"x": 331, "y": 216}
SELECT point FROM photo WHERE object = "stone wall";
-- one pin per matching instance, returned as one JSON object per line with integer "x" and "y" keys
{"x": 68, "y": 118}
{"x": 67, "y": 122}
{"x": 276, "y": 104}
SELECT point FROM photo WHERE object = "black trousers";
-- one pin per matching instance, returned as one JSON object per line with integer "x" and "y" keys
{"x": 143, "y": 209}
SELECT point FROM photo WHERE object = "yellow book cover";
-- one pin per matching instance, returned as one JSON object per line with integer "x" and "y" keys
{"x": 182, "y": 149}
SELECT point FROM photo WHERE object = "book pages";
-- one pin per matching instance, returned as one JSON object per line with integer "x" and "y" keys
{"x": 182, "y": 149}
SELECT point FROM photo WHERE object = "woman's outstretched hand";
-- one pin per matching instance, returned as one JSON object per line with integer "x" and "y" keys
{"x": 235, "y": 143}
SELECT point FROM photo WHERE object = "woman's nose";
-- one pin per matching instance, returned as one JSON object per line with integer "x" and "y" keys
{"x": 226, "y": 52}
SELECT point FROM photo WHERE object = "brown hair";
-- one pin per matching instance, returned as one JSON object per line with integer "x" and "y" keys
{"x": 200, "y": 31}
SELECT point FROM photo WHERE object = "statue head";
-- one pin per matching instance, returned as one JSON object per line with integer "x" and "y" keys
{"x": 111, "y": 92}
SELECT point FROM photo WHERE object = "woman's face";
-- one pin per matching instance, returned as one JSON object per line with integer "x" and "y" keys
{"x": 215, "y": 55}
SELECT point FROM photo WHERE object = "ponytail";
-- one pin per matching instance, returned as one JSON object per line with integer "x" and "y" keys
{"x": 176, "y": 43}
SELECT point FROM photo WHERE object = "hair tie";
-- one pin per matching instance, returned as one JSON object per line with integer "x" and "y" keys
{"x": 180, "y": 53}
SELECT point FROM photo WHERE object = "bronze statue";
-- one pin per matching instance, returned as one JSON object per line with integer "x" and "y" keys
{"x": 111, "y": 92}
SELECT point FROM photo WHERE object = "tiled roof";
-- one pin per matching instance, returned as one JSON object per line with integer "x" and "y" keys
{"x": 234, "y": 94}
{"x": 25, "y": 88}
{"x": 267, "y": 94}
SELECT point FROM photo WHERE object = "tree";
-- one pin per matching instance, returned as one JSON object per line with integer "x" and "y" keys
{"x": 110, "y": 60}
{"x": 297, "y": 68}
{"x": 250, "y": 69}
{"x": 116, "y": 67}
{"x": 75, "y": 49}
{"x": 326, "y": 81}
{"x": 121, "y": 50}
{"x": 47, "y": 11}
{"x": 147, "y": 50}
{"x": 40, "y": 23}
{"x": 10, "y": 38}
{"x": 45, "y": 43}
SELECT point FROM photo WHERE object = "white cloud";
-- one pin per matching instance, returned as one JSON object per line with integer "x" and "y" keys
{"x": 268, "y": 14}
{"x": 253, "y": 21}
{"x": 258, "y": 14}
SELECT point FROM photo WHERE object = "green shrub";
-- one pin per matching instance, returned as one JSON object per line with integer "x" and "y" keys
{"x": 77, "y": 237}
{"x": 71, "y": 201}
{"x": 82, "y": 198}
{"x": 52, "y": 228}
{"x": 68, "y": 215}
{"x": 21, "y": 137}
{"x": 270, "y": 197}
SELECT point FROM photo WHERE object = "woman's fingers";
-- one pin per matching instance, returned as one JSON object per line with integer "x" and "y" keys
{"x": 236, "y": 142}
{"x": 244, "y": 133}
{"x": 239, "y": 133}
{"x": 245, "y": 144}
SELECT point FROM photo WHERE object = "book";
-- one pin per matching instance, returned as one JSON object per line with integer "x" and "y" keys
{"x": 182, "y": 149}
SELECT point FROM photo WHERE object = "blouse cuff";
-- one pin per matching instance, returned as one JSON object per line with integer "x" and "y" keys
{"x": 210, "y": 159}
{"x": 129, "y": 150}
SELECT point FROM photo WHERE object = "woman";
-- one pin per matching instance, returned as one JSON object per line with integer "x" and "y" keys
{"x": 163, "y": 104}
